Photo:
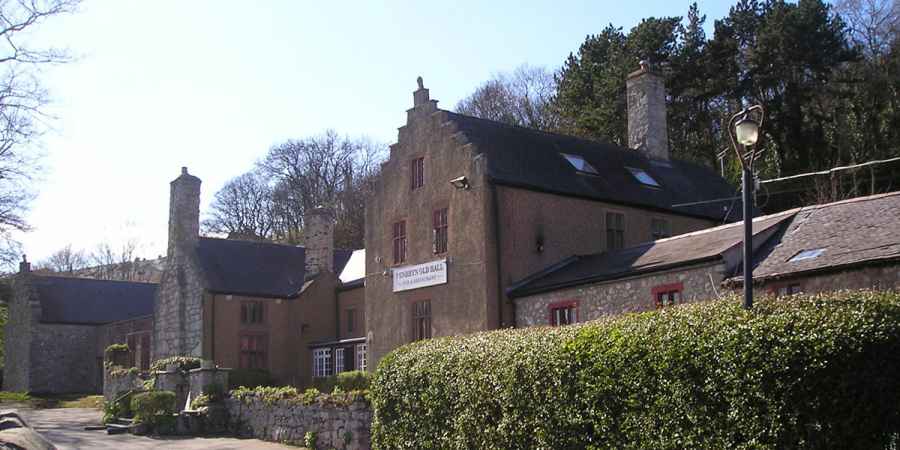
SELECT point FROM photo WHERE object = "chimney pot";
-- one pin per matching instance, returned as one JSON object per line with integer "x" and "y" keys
{"x": 24, "y": 266}
{"x": 646, "y": 92}
{"x": 318, "y": 240}
{"x": 184, "y": 214}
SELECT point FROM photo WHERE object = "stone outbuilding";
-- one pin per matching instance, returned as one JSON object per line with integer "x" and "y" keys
{"x": 850, "y": 244}
{"x": 59, "y": 327}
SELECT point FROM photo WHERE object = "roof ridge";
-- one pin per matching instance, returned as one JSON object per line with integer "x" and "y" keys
{"x": 243, "y": 241}
{"x": 788, "y": 212}
{"x": 533, "y": 130}
{"x": 64, "y": 277}
{"x": 851, "y": 200}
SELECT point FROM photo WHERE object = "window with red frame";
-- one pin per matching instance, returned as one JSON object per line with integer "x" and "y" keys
{"x": 439, "y": 219}
{"x": 253, "y": 351}
{"x": 667, "y": 295}
{"x": 399, "y": 234}
{"x": 563, "y": 313}
{"x": 417, "y": 173}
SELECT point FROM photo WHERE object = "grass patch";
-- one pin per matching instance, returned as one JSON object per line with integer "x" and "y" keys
{"x": 53, "y": 401}
{"x": 14, "y": 397}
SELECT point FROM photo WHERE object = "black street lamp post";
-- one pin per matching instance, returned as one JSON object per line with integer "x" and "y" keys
{"x": 743, "y": 129}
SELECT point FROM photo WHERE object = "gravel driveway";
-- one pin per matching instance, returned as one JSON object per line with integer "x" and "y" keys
{"x": 65, "y": 428}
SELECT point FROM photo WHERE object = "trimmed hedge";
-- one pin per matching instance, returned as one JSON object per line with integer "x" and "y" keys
{"x": 354, "y": 380}
{"x": 802, "y": 372}
{"x": 153, "y": 407}
{"x": 185, "y": 363}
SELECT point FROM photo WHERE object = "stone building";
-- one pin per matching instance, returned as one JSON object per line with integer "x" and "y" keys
{"x": 850, "y": 244}
{"x": 59, "y": 327}
{"x": 466, "y": 207}
{"x": 248, "y": 304}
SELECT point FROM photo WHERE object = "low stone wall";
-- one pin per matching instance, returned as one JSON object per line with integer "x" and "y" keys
{"x": 336, "y": 426}
{"x": 115, "y": 385}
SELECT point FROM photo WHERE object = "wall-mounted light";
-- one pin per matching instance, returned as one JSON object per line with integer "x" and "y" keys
{"x": 460, "y": 183}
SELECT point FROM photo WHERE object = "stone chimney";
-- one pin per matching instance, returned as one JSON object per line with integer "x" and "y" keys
{"x": 646, "y": 92}
{"x": 184, "y": 214}
{"x": 24, "y": 266}
{"x": 318, "y": 239}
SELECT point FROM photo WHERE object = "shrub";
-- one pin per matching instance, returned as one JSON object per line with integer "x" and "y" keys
{"x": 355, "y": 380}
{"x": 803, "y": 372}
{"x": 184, "y": 363}
{"x": 214, "y": 391}
{"x": 153, "y": 407}
{"x": 249, "y": 378}
{"x": 271, "y": 395}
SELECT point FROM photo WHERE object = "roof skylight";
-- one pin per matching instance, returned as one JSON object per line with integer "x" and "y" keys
{"x": 579, "y": 163}
{"x": 643, "y": 177}
{"x": 807, "y": 254}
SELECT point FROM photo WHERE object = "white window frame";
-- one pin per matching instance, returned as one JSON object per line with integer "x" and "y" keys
{"x": 321, "y": 362}
{"x": 361, "y": 356}
{"x": 339, "y": 360}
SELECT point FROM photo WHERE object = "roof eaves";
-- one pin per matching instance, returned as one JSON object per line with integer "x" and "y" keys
{"x": 738, "y": 281}
{"x": 614, "y": 277}
{"x": 511, "y": 290}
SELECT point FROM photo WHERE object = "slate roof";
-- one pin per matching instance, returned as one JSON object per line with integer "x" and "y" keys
{"x": 341, "y": 258}
{"x": 92, "y": 302}
{"x": 529, "y": 158}
{"x": 850, "y": 232}
{"x": 252, "y": 268}
{"x": 685, "y": 249}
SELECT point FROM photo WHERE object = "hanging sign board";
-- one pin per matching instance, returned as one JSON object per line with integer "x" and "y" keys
{"x": 420, "y": 275}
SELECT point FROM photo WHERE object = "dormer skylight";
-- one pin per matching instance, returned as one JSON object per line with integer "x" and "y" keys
{"x": 807, "y": 254}
{"x": 579, "y": 163}
{"x": 643, "y": 177}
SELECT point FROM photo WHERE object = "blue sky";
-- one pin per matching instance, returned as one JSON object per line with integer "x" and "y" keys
{"x": 211, "y": 85}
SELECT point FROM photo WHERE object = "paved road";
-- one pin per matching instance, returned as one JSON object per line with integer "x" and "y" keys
{"x": 65, "y": 428}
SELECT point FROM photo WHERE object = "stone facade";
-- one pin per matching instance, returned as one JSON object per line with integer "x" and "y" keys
{"x": 336, "y": 426}
{"x": 24, "y": 311}
{"x": 647, "y": 130}
{"x": 63, "y": 359}
{"x": 462, "y": 304}
{"x": 115, "y": 385}
{"x": 47, "y": 358}
{"x": 634, "y": 294}
{"x": 876, "y": 276}
{"x": 178, "y": 325}
{"x": 318, "y": 240}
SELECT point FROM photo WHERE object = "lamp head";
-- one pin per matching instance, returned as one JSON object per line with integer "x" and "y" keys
{"x": 747, "y": 131}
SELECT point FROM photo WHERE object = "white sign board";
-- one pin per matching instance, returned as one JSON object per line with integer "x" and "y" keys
{"x": 420, "y": 275}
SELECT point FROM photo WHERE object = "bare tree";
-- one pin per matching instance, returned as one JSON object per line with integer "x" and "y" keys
{"x": 524, "y": 98}
{"x": 22, "y": 115}
{"x": 873, "y": 24}
{"x": 65, "y": 260}
{"x": 326, "y": 170}
{"x": 112, "y": 264}
{"x": 243, "y": 208}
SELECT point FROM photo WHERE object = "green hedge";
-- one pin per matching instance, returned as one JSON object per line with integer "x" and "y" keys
{"x": 153, "y": 407}
{"x": 185, "y": 363}
{"x": 803, "y": 372}
{"x": 249, "y": 378}
{"x": 354, "y": 380}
